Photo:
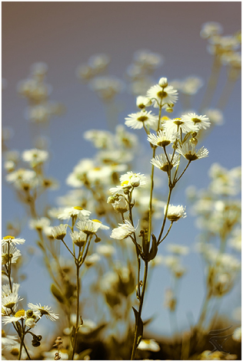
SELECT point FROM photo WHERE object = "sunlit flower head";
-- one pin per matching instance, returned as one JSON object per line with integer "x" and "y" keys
{"x": 149, "y": 345}
{"x": 190, "y": 153}
{"x": 77, "y": 211}
{"x": 173, "y": 126}
{"x": 35, "y": 156}
{"x": 9, "y": 253}
{"x": 79, "y": 238}
{"x": 90, "y": 227}
{"x": 162, "y": 139}
{"x": 138, "y": 120}
{"x": 59, "y": 232}
{"x": 200, "y": 122}
{"x": 123, "y": 231}
{"x": 175, "y": 212}
{"x": 162, "y": 96}
{"x": 44, "y": 310}
{"x": 20, "y": 314}
{"x": 11, "y": 240}
{"x": 161, "y": 162}
{"x": 39, "y": 224}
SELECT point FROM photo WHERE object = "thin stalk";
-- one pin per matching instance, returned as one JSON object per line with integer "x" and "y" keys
{"x": 77, "y": 311}
{"x": 176, "y": 180}
{"x": 166, "y": 211}
{"x": 134, "y": 348}
{"x": 68, "y": 248}
{"x": 160, "y": 241}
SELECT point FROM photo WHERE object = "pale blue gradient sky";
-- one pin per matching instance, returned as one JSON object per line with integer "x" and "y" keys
{"x": 66, "y": 34}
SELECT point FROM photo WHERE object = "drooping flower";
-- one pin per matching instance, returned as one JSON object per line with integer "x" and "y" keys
{"x": 90, "y": 227}
{"x": 123, "y": 231}
{"x": 44, "y": 310}
{"x": 69, "y": 212}
{"x": 174, "y": 213}
{"x": 59, "y": 232}
{"x": 161, "y": 162}
{"x": 79, "y": 238}
{"x": 188, "y": 151}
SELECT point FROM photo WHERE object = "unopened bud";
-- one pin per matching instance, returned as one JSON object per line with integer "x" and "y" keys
{"x": 169, "y": 109}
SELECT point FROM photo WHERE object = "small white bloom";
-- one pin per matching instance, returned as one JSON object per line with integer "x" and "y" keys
{"x": 161, "y": 162}
{"x": 162, "y": 139}
{"x": 10, "y": 253}
{"x": 44, "y": 310}
{"x": 161, "y": 97}
{"x": 91, "y": 226}
{"x": 23, "y": 179}
{"x": 210, "y": 28}
{"x": 12, "y": 240}
{"x": 215, "y": 116}
{"x": 174, "y": 125}
{"x": 39, "y": 224}
{"x": 35, "y": 156}
{"x": 137, "y": 120}
{"x": 123, "y": 231}
{"x": 163, "y": 82}
{"x": 79, "y": 238}
{"x": 237, "y": 335}
{"x": 149, "y": 345}
{"x": 178, "y": 249}
{"x": 174, "y": 213}
{"x": 92, "y": 259}
{"x": 59, "y": 232}
{"x": 143, "y": 102}
{"x": 106, "y": 250}
{"x": 72, "y": 212}
{"x": 20, "y": 314}
{"x": 190, "y": 153}
{"x": 199, "y": 121}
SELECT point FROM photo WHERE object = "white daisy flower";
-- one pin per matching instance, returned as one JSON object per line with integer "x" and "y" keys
{"x": 106, "y": 250}
{"x": 143, "y": 102}
{"x": 123, "y": 231}
{"x": 161, "y": 162}
{"x": 6, "y": 291}
{"x": 174, "y": 125}
{"x": 175, "y": 212}
{"x": 10, "y": 253}
{"x": 12, "y": 240}
{"x": 79, "y": 238}
{"x": 20, "y": 314}
{"x": 134, "y": 179}
{"x": 199, "y": 121}
{"x": 39, "y": 224}
{"x": 163, "y": 138}
{"x": 190, "y": 153}
{"x": 23, "y": 179}
{"x": 59, "y": 232}
{"x": 210, "y": 28}
{"x": 73, "y": 211}
{"x": 8, "y": 340}
{"x": 149, "y": 345}
{"x": 44, "y": 310}
{"x": 91, "y": 260}
{"x": 162, "y": 96}
{"x": 10, "y": 300}
{"x": 178, "y": 249}
{"x": 237, "y": 335}
{"x": 137, "y": 120}
{"x": 35, "y": 156}
{"x": 90, "y": 227}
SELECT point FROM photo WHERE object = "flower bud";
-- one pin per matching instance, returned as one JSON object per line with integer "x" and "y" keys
{"x": 163, "y": 82}
{"x": 135, "y": 181}
{"x": 169, "y": 109}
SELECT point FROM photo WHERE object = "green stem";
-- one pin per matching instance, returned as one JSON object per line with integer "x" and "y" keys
{"x": 135, "y": 344}
{"x": 160, "y": 241}
{"x": 77, "y": 311}
{"x": 166, "y": 211}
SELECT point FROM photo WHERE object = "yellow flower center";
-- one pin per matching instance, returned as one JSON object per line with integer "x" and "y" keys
{"x": 146, "y": 341}
{"x": 124, "y": 183}
{"x": 8, "y": 237}
{"x": 97, "y": 168}
{"x": 165, "y": 118}
{"x": 78, "y": 208}
{"x": 97, "y": 221}
{"x": 20, "y": 313}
